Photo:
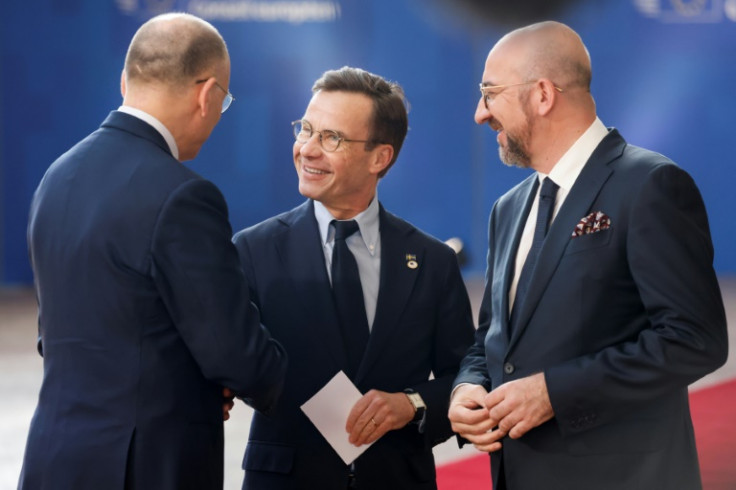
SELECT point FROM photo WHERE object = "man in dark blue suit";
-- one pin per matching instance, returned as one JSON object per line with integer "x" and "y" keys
{"x": 591, "y": 327}
{"x": 414, "y": 315}
{"x": 144, "y": 313}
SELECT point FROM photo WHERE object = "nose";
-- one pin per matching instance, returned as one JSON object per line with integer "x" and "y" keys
{"x": 312, "y": 146}
{"x": 482, "y": 114}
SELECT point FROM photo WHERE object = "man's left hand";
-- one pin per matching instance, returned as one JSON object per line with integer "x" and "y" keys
{"x": 519, "y": 406}
{"x": 376, "y": 413}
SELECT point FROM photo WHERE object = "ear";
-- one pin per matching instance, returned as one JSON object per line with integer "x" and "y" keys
{"x": 383, "y": 155}
{"x": 546, "y": 96}
{"x": 204, "y": 104}
{"x": 123, "y": 88}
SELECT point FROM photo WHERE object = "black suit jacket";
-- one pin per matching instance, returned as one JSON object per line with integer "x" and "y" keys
{"x": 143, "y": 316}
{"x": 620, "y": 322}
{"x": 423, "y": 324}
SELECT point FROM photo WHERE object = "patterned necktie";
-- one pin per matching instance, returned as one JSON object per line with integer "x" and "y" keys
{"x": 348, "y": 294}
{"x": 544, "y": 216}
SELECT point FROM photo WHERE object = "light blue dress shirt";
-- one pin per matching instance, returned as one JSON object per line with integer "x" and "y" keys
{"x": 365, "y": 247}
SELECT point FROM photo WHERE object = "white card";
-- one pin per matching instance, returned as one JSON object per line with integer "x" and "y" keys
{"x": 328, "y": 410}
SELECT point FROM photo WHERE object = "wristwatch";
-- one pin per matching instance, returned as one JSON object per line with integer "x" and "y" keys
{"x": 419, "y": 407}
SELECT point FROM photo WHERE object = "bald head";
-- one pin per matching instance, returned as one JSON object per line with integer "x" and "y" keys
{"x": 173, "y": 49}
{"x": 548, "y": 50}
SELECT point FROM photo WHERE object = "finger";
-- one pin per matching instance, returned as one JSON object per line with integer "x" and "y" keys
{"x": 377, "y": 431}
{"x": 518, "y": 430}
{"x": 228, "y": 393}
{"x": 363, "y": 430}
{"x": 355, "y": 414}
{"x": 358, "y": 414}
{"x": 488, "y": 448}
{"x": 503, "y": 411}
{"x": 477, "y": 429}
{"x": 486, "y": 439}
{"x": 470, "y": 416}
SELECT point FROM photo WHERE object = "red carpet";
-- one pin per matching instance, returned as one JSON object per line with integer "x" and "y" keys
{"x": 713, "y": 410}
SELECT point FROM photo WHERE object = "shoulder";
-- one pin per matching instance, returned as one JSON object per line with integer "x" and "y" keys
{"x": 396, "y": 228}
{"x": 268, "y": 229}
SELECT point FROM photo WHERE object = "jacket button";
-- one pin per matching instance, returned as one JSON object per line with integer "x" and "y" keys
{"x": 508, "y": 368}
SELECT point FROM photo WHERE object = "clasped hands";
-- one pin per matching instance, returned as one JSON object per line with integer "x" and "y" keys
{"x": 512, "y": 409}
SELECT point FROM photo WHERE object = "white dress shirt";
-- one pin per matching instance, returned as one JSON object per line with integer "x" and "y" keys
{"x": 564, "y": 174}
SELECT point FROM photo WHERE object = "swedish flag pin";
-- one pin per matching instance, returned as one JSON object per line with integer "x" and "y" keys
{"x": 411, "y": 261}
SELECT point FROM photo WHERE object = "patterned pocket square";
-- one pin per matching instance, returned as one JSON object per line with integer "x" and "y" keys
{"x": 593, "y": 223}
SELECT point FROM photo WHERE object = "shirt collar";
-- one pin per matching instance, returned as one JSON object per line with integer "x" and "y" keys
{"x": 158, "y": 125}
{"x": 567, "y": 169}
{"x": 368, "y": 223}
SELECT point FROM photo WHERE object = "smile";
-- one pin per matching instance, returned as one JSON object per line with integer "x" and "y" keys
{"x": 314, "y": 171}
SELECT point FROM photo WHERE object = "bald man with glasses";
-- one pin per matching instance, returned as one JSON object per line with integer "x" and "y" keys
{"x": 144, "y": 313}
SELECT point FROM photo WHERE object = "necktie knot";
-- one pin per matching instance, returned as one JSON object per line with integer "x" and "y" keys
{"x": 344, "y": 229}
{"x": 549, "y": 189}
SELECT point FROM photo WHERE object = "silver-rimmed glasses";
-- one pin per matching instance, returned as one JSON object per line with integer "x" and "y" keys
{"x": 228, "y": 96}
{"x": 488, "y": 92}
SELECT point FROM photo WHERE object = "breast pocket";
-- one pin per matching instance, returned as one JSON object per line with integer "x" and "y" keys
{"x": 591, "y": 241}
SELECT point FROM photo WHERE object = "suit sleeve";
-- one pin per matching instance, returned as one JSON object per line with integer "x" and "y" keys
{"x": 453, "y": 334}
{"x": 682, "y": 334}
{"x": 196, "y": 268}
{"x": 474, "y": 369}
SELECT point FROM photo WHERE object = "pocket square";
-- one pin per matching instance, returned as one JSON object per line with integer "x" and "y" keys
{"x": 593, "y": 223}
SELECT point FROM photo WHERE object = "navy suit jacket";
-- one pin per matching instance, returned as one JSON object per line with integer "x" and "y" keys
{"x": 423, "y": 324}
{"x": 620, "y": 322}
{"x": 143, "y": 317}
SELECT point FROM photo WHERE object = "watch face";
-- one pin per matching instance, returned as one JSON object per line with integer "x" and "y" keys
{"x": 416, "y": 400}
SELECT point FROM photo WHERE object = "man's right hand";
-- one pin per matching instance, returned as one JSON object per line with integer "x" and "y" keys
{"x": 470, "y": 418}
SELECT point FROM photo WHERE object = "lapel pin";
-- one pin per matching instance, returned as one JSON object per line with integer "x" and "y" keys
{"x": 411, "y": 261}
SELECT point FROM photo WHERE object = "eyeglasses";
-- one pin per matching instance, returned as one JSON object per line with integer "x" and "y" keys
{"x": 329, "y": 140}
{"x": 488, "y": 92}
{"x": 228, "y": 96}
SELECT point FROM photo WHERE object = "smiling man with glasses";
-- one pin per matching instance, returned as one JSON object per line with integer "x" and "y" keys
{"x": 601, "y": 303}
{"x": 347, "y": 286}
{"x": 143, "y": 311}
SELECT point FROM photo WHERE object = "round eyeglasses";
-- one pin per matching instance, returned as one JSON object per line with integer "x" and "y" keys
{"x": 489, "y": 92}
{"x": 228, "y": 96}
{"x": 329, "y": 140}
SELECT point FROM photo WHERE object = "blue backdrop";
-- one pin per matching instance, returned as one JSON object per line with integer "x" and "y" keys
{"x": 663, "y": 73}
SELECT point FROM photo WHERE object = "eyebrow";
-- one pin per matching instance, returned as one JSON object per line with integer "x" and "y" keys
{"x": 489, "y": 84}
{"x": 340, "y": 134}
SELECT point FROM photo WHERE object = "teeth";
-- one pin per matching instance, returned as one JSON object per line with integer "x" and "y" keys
{"x": 314, "y": 171}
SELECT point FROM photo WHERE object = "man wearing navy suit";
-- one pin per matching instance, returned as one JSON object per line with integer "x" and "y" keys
{"x": 591, "y": 326}
{"x": 415, "y": 317}
{"x": 144, "y": 313}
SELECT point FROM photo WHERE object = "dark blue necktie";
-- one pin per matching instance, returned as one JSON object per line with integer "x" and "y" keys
{"x": 544, "y": 216}
{"x": 348, "y": 295}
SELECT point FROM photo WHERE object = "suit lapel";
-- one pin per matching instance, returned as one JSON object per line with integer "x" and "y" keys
{"x": 396, "y": 284}
{"x": 523, "y": 200}
{"x": 303, "y": 259}
{"x": 577, "y": 205}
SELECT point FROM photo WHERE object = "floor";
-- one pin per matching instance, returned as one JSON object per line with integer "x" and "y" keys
{"x": 21, "y": 371}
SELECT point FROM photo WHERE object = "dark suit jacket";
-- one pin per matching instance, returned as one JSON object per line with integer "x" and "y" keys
{"x": 619, "y": 321}
{"x": 143, "y": 315}
{"x": 423, "y": 324}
